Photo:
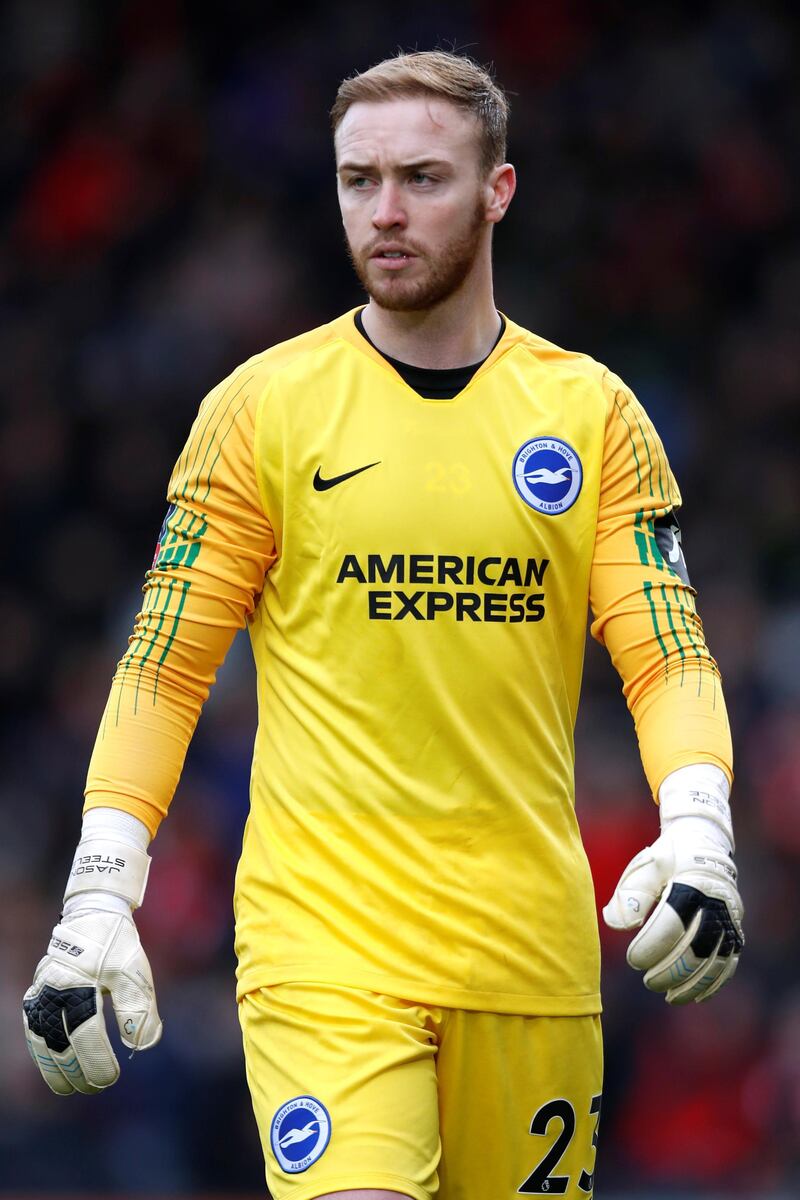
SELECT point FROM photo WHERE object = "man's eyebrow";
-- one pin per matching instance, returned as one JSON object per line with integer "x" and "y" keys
{"x": 349, "y": 165}
{"x": 416, "y": 164}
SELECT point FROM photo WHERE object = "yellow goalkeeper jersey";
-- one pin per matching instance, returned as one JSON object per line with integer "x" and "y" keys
{"x": 415, "y": 575}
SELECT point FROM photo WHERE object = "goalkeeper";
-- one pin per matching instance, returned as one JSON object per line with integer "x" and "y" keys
{"x": 411, "y": 509}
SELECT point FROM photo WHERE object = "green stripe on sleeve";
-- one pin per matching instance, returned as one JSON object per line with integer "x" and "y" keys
{"x": 194, "y": 446}
{"x": 673, "y": 631}
{"x": 643, "y": 436}
{"x": 655, "y": 549}
{"x": 183, "y": 546}
{"x": 154, "y": 639}
{"x": 691, "y": 637}
{"x": 185, "y": 586}
{"x": 640, "y": 538}
{"x": 219, "y": 451}
{"x": 182, "y": 541}
{"x": 199, "y": 471}
{"x": 658, "y": 451}
{"x": 633, "y": 444}
{"x": 654, "y": 617}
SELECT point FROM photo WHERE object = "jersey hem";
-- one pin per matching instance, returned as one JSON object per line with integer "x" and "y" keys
{"x": 422, "y": 992}
{"x": 366, "y": 1180}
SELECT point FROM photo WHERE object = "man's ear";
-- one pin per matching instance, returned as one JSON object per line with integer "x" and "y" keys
{"x": 501, "y": 183}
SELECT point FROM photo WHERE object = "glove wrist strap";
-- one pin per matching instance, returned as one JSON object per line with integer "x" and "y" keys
{"x": 105, "y": 865}
{"x": 699, "y": 791}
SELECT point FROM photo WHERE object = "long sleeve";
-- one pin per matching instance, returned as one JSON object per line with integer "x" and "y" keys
{"x": 214, "y": 549}
{"x": 644, "y": 606}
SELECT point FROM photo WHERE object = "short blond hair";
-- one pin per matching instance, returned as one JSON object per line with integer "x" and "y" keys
{"x": 452, "y": 77}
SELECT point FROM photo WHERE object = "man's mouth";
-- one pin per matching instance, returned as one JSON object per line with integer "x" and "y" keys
{"x": 392, "y": 259}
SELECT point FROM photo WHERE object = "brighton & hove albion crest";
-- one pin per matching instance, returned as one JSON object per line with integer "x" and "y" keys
{"x": 300, "y": 1132}
{"x": 547, "y": 474}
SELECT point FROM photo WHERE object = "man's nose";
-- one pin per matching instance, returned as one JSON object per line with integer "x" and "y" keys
{"x": 389, "y": 210}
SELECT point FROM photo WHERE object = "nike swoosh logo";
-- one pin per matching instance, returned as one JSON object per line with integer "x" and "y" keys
{"x": 322, "y": 485}
{"x": 675, "y": 549}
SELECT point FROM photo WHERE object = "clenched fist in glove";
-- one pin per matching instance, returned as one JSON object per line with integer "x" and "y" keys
{"x": 94, "y": 951}
{"x": 691, "y": 942}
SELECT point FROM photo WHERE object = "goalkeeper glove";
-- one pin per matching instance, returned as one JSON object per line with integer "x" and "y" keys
{"x": 690, "y": 945}
{"x": 94, "y": 951}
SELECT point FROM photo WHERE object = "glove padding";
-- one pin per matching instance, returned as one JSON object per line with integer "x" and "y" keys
{"x": 91, "y": 954}
{"x": 691, "y": 944}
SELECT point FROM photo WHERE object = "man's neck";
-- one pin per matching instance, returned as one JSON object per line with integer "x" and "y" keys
{"x": 456, "y": 333}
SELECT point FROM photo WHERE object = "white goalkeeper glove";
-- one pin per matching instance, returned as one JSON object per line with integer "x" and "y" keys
{"x": 690, "y": 945}
{"x": 94, "y": 951}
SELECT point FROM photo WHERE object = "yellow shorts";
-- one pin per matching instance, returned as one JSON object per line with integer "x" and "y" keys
{"x": 356, "y": 1090}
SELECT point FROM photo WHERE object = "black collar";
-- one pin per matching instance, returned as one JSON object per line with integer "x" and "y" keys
{"x": 428, "y": 382}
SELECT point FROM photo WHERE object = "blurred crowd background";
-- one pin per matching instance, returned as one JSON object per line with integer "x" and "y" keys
{"x": 168, "y": 209}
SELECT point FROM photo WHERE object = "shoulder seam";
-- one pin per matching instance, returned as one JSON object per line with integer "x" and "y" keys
{"x": 261, "y": 402}
{"x": 574, "y": 364}
{"x": 278, "y": 370}
{"x": 256, "y": 438}
{"x": 613, "y": 390}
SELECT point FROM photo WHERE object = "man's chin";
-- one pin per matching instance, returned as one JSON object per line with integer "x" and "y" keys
{"x": 422, "y": 285}
{"x": 403, "y": 295}
{"x": 398, "y": 299}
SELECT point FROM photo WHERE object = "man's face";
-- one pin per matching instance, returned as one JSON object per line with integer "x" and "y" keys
{"x": 413, "y": 198}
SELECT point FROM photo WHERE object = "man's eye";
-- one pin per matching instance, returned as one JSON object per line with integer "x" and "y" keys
{"x": 359, "y": 182}
{"x": 421, "y": 177}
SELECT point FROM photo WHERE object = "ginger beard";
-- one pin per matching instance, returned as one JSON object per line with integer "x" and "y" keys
{"x": 438, "y": 274}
